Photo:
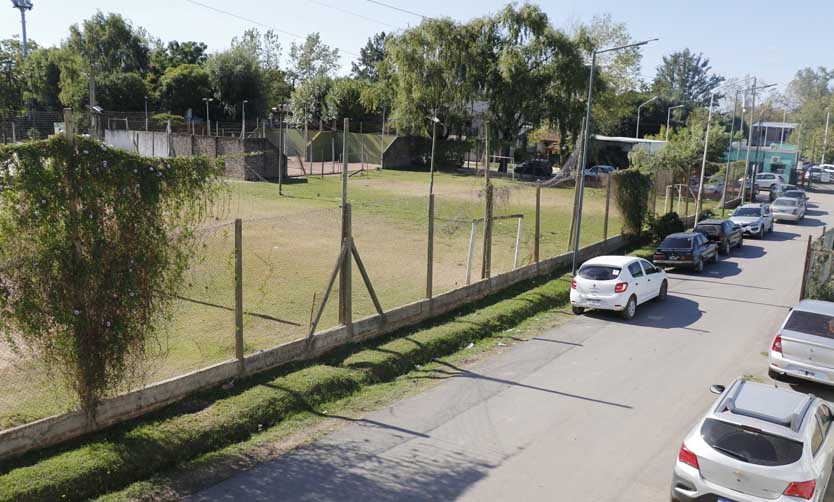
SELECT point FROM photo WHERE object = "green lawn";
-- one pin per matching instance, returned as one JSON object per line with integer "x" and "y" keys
{"x": 290, "y": 246}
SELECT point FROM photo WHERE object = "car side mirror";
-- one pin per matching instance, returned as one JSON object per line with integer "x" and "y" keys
{"x": 717, "y": 389}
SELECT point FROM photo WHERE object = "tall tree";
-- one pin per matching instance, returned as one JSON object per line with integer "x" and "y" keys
{"x": 311, "y": 59}
{"x": 177, "y": 53}
{"x": 685, "y": 78}
{"x": 345, "y": 101}
{"x": 42, "y": 76}
{"x": 309, "y": 100}
{"x": 110, "y": 44}
{"x": 236, "y": 75}
{"x": 183, "y": 87}
{"x": 365, "y": 68}
{"x": 266, "y": 48}
{"x": 809, "y": 85}
{"x": 11, "y": 76}
{"x": 619, "y": 69}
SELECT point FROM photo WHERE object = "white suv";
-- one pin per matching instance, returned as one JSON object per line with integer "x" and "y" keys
{"x": 757, "y": 443}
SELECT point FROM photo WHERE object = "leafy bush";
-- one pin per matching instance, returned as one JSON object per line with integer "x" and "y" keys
{"x": 631, "y": 193}
{"x": 667, "y": 224}
{"x": 93, "y": 246}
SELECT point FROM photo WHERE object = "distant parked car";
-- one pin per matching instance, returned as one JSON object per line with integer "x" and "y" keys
{"x": 788, "y": 209}
{"x": 767, "y": 180}
{"x": 535, "y": 167}
{"x": 753, "y": 219}
{"x": 817, "y": 174}
{"x": 618, "y": 283}
{"x": 799, "y": 195}
{"x": 776, "y": 191}
{"x": 723, "y": 233}
{"x": 795, "y": 187}
{"x": 757, "y": 443}
{"x": 804, "y": 345}
{"x": 596, "y": 171}
{"x": 749, "y": 187}
{"x": 686, "y": 249}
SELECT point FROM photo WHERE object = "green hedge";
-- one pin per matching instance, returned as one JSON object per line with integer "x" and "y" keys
{"x": 111, "y": 462}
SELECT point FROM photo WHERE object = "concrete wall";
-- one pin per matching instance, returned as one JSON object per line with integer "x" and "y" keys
{"x": 60, "y": 428}
{"x": 252, "y": 159}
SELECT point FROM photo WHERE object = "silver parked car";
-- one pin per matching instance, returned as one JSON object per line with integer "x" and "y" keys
{"x": 804, "y": 345}
{"x": 757, "y": 443}
{"x": 788, "y": 209}
{"x": 753, "y": 219}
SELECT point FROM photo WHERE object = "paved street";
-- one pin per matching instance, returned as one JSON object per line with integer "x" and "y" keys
{"x": 592, "y": 410}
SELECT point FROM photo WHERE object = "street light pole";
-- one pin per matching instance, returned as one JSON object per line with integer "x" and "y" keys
{"x": 637, "y": 132}
{"x": 586, "y": 133}
{"x": 146, "y": 113}
{"x": 825, "y": 138}
{"x": 669, "y": 119}
{"x": 434, "y": 121}
{"x": 243, "y": 119}
{"x": 208, "y": 119}
{"x": 729, "y": 149}
{"x": 23, "y": 6}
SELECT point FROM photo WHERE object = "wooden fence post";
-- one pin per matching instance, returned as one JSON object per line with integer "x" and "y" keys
{"x": 239, "y": 294}
{"x": 537, "y": 241}
{"x": 486, "y": 265}
{"x": 345, "y": 307}
{"x": 430, "y": 250}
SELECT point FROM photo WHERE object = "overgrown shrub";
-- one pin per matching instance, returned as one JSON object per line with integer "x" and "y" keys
{"x": 667, "y": 224}
{"x": 93, "y": 245}
{"x": 631, "y": 193}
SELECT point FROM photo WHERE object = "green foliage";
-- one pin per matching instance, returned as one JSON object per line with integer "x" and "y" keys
{"x": 108, "y": 44}
{"x": 309, "y": 100}
{"x": 177, "y": 54}
{"x": 42, "y": 77}
{"x": 312, "y": 59}
{"x": 183, "y": 87}
{"x": 163, "y": 118}
{"x": 659, "y": 228}
{"x": 631, "y": 193}
{"x": 94, "y": 243}
{"x": 344, "y": 100}
{"x": 369, "y": 57}
{"x": 11, "y": 76}
{"x": 121, "y": 91}
{"x": 236, "y": 75}
{"x": 685, "y": 78}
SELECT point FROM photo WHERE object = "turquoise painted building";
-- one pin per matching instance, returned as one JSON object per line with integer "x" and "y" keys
{"x": 779, "y": 158}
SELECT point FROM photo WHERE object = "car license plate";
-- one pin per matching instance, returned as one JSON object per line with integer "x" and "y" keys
{"x": 593, "y": 301}
{"x": 674, "y": 257}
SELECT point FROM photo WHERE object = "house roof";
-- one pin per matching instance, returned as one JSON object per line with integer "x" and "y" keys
{"x": 625, "y": 139}
{"x": 777, "y": 125}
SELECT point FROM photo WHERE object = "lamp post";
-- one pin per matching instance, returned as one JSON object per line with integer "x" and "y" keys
{"x": 434, "y": 122}
{"x": 637, "y": 132}
{"x": 243, "y": 119}
{"x": 750, "y": 142}
{"x": 208, "y": 119}
{"x": 729, "y": 149}
{"x": 146, "y": 113}
{"x": 825, "y": 138}
{"x": 582, "y": 164}
{"x": 669, "y": 119}
{"x": 23, "y": 6}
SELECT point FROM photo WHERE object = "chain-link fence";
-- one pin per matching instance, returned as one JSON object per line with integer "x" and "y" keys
{"x": 819, "y": 267}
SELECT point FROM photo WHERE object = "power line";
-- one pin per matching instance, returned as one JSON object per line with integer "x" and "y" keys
{"x": 257, "y": 23}
{"x": 355, "y": 14}
{"x": 399, "y": 9}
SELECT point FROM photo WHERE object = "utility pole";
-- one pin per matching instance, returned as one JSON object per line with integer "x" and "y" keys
{"x": 382, "y": 142}
{"x": 208, "y": 119}
{"x": 729, "y": 149}
{"x": 825, "y": 138}
{"x": 146, "y": 113}
{"x": 243, "y": 119}
{"x": 749, "y": 144}
{"x": 23, "y": 6}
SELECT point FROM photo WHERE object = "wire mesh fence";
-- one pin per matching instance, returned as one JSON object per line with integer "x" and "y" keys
{"x": 819, "y": 268}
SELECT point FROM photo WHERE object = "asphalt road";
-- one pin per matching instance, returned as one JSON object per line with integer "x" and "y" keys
{"x": 592, "y": 410}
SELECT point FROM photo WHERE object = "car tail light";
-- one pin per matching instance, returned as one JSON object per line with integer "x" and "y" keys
{"x": 621, "y": 287}
{"x": 804, "y": 489}
{"x": 573, "y": 284}
{"x": 659, "y": 256}
{"x": 777, "y": 344}
{"x": 689, "y": 458}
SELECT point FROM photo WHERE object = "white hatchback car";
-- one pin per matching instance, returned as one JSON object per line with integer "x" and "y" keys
{"x": 804, "y": 345}
{"x": 757, "y": 443}
{"x": 619, "y": 283}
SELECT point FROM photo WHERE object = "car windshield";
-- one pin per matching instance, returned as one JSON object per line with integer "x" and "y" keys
{"x": 750, "y": 445}
{"x": 676, "y": 243}
{"x": 811, "y": 323}
{"x": 599, "y": 272}
{"x": 709, "y": 229}
{"x": 785, "y": 202}
{"x": 747, "y": 211}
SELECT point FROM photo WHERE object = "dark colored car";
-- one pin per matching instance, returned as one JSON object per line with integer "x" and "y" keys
{"x": 596, "y": 172}
{"x": 776, "y": 190}
{"x": 535, "y": 167}
{"x": 686, "y": 249}
{"x": 723, "y": 233}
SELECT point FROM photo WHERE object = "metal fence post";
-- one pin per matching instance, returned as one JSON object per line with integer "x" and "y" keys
{"x": 537, "y": 240}
{"x": 239, "y": 294}
{"x": 345, "y": 308}
{"x": 607, "y": 206}
{"x": 430, "y": 250}
{"x": 486, "y": 265}
{"x": 802, "y": 290}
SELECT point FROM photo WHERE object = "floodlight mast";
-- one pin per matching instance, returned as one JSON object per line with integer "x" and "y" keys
{"x": 23, "y": 6}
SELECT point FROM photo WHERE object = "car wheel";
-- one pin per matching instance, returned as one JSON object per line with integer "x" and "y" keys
{"x": 725, "y": 249}
{"x": 630, "y": 308}
{"x": 699, "y": 266}
{"x": 775, "y": 375}
{"x": 740, "y": 243}
{"x": 762, "y": 232}
{"x": 664, "y": 290}
{"x": 714, "y": 258}
{"x": 578, "y": 310}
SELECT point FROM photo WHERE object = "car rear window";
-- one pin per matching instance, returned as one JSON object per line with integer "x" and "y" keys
{"x": 599, "y": 272}
{"x": 750, "y": 445}
{"x": 709, "y": 229}
{"x": 677, "y": 243}
{"x": 811, "y": 323}
{"x": 794, "y": 193}
{"x": 785, "y": 202}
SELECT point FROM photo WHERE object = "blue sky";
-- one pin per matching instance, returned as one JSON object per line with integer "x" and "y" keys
{"x": 739, "y": 36}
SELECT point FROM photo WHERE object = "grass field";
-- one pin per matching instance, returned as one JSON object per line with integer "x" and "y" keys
{"x": 290, "y": 246}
